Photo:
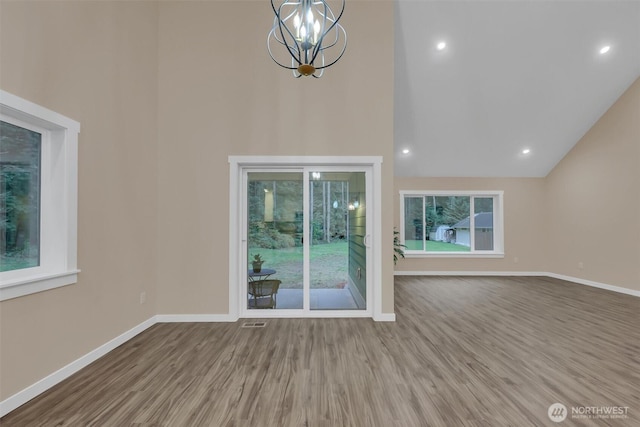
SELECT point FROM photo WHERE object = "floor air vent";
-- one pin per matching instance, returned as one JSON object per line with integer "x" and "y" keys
{"x": 254, "y": 324}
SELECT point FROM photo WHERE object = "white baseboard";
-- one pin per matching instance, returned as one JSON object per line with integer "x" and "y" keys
{"x": 49, "y": 381}
{"x": 194, "y": 318}
{"x": 591, "y": 283}
{"x": 586, "y": 282}
{"x": 469, "y": 273}
{"x": 384, "y": 317}
{"x": 61, "y": 374}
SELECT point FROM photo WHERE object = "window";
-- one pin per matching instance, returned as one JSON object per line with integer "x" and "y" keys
{"x": 19, "y": 197}
{"x": 452, "y": 223}
{"x": 38, "y": 198}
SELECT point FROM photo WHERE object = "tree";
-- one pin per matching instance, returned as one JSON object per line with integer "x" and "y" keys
{"x": 456, "y": 209}
{"x": 19, "y": 191}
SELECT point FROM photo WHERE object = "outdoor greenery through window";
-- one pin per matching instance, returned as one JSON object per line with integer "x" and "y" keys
{"x": 38, "y": 198}
{"x": 20, "y": 170}
{"x": 275, "y": 227}
{"x": 306, "y": 229}
{"x": 438, "y": 222}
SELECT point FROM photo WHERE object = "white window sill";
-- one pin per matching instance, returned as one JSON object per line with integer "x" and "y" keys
{"x": 454, "y": 254}
{"x": 38, "y": 283}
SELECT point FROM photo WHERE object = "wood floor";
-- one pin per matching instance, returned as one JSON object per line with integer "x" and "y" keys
{"x": 463, "y": 352}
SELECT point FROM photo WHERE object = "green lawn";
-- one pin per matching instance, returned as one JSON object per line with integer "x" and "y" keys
{"x": 433, "y": 246}
{"x": 328, "y": 264}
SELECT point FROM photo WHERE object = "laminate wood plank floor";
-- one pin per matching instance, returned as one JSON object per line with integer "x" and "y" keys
{"x": 464, "y": 351}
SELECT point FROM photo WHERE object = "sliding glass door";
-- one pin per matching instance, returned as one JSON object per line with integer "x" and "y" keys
{"x": 337, "y": 254}
{"x": 275, "y": 224}
{"x": 306, "y": 241}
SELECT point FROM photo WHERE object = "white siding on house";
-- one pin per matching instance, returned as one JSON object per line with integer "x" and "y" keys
{"x": 463, "y": 237}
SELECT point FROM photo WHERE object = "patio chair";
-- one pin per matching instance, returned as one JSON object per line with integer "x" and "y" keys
{"x": 262, "y": 293}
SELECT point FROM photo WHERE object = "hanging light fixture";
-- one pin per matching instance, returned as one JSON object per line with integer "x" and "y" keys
{"x": 310, "y": 33}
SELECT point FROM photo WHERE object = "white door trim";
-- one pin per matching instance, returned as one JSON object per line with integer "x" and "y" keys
{"x": 237, "y": 163}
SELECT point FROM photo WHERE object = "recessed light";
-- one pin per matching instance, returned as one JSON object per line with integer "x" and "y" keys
{"x": 405, "y": 151}
{"x": 441, "y": 45}
{"x": 526, "y": 151}
{"x": 604, "y": 50}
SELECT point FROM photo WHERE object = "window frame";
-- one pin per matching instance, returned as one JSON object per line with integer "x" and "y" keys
{"x": 498, "y": 223}
{"x": 58, "y": 198}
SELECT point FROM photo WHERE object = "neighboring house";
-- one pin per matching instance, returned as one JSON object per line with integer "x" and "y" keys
{"x": 484, "y": 231}
{"x": 443, "y": 233}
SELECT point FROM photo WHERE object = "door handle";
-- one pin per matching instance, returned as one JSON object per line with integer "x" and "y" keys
{"x": 365, "y": 240}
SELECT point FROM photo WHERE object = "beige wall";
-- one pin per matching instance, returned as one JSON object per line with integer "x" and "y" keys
{"x": 220, "y": 94}
{"x": 587, "y": 210}
{"x": 165, "y": 92}
{"x": 95, "y": 62}
{"x": 593, "y": 200}
{"x": 523, "y": 224}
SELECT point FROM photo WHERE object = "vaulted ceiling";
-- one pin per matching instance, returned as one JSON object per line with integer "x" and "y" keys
{"x": 513, "y": 75}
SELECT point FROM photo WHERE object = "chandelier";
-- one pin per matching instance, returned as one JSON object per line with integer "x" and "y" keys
{"x": 310, "y": 33}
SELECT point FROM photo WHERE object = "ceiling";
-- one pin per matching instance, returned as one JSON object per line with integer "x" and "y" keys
{"x": 514, "y": 75}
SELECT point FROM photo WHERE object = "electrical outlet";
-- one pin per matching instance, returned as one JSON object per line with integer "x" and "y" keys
{"x": 143, "y": 297}
{"x": 580, "y": 265}
{"x": 515, "y": 260}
